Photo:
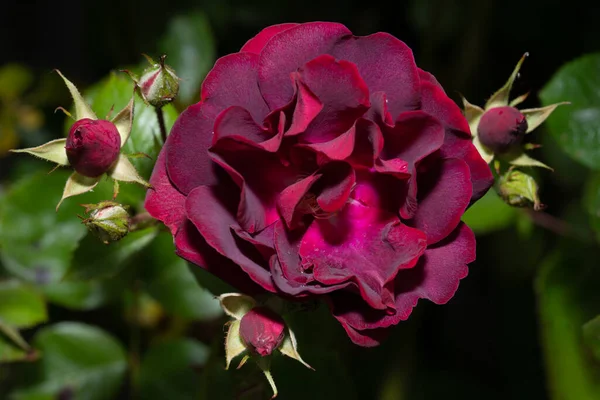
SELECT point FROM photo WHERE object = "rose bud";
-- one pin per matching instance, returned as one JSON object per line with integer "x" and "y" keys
{"x": 93, "y": 146}
{"x": 262, "y": 330}
{"x": 158, "y": 85}
{"x": 502, "y": 129}
{"x": 108, "y": 221}
{"x": 519, "y": 189}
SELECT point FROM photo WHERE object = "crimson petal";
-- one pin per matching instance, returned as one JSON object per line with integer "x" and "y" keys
{"x": 444, "y": 194}
{"x": 259, "y": 174}
{"x": 289, "y": 50}
{"x": 341, "y": 90}
{"x": 363, "y": 245}
{"x": 256, "y": 44}
{"x": 209, "y": 209}
{"x": 231, "y": 82}
{"x": 191, "y": 246}
{"x": 436, "y": 277}
{"x": 386, "y": 64}
{"x": 164, "y": 202}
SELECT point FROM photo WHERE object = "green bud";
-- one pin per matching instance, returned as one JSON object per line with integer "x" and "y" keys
{"x": 519, "y": 189}
{"x": 109, "y": 221}
{"x": 158, "y": 85}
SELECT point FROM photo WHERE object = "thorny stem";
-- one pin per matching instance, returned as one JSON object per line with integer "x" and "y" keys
{"x": 554, "y": 224}
{"x": 161, "y": 123}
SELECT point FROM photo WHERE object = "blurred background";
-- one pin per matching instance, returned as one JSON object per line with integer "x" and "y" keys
{"x": 521, "y": 325}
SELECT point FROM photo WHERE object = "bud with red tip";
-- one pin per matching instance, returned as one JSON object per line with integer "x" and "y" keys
{"x": 93, "y": 146}
{"x": 262, "y": 331}
{"x": 158, "y": 85}
{"x": 256, "y": 331}
{"x": 502, "y": 129}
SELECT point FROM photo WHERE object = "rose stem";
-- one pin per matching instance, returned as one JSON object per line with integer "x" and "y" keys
{"x": 161, "y": 123}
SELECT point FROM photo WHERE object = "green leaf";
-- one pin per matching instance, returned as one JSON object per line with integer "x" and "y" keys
{"x": 84, "y": 295}
{"x": 9, "y": 352}
{"x": 21, "y": 305}
{"x": 576, "y": 127}
{"x": 78, "y": 358}
{"x": 489, "y": 214}
{"x": 566, "y": 289}
{"x": 94, "y": 260}
{"x": 169, "y": 280}
{"x": 114, "y": 92}
{"x": 591, "y": 335}
{"x": 170, "y": 370}
{"x": 37, "y": 242}
{"x": 591, "y": 202}
{"x": 190, "y": 49}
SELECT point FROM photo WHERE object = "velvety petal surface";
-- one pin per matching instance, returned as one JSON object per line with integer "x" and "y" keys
{"x": 444, "y": 194}
{"x": 232, "y": 82}
{"x": 164, "y": 202}
{"x": 210, "y": 210}
{"x": 364, "y": 245}
{"x": 436, "y": 277}
{"x": 288, "y": 51}
{"x": 386, "y": 64}
{"x": 256, "y": 44}
{"x": 341, "y": 90}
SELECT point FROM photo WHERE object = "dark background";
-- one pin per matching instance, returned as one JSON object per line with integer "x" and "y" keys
{"x": 486, "y": 342}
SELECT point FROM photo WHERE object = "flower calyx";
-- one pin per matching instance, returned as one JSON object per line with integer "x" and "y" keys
{"x": 92, "y": 148}
{"x": 256, "y": 331}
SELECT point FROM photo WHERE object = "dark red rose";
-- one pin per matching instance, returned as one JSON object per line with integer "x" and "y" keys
{"x": 322, "y": 164}
{"x": 93, "y": 146}
{"x": 502, "y": 129}
{"x": 262, "y": 330}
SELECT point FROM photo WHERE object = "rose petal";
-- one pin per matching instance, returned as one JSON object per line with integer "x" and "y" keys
{"x": 236, "y": 122}
{"x": 436, "y": 277}
{"x": 259, "y": 174}
{"x": 290, "y": 198}
{"x": 164, "y": 202}
{"x": 186, "y": 149}
{"x": 306, "y": 107}
{"x": 256, "y": 44}
{"x": 386, "y": 64}
{"x": 457, "y": 143}
{"x": 334, "y": 187}
{"x": 341, "y": 90}
{"x": 231, "y": 82}
{"x": 378, "y": 112}
{"x": 289, "y": 50}
{"x": 368, "y": 144}
{"x": 363, "y": 245}
{"x": 481, "y": 175}
{"x": 444, "y": 194}
{"x": 339, "y": 148}
{"x": 191, "y": 246}
{"x": 287, "y": 271}
{"x": 415, "y": 136}
{"x": 210, "y": 210}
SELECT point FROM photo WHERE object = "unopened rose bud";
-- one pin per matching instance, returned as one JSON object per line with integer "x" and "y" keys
{"x": 262, "y": 330}
{"x": 158, "y": 85}
{"x": 93, "y": 146}
{"x": 502, "y": 129}
{"x": 107, "y": 220}
{"x": 519, "y": 189}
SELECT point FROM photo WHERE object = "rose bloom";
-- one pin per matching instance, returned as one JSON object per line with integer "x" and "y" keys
{"x": 322, "y": 164}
